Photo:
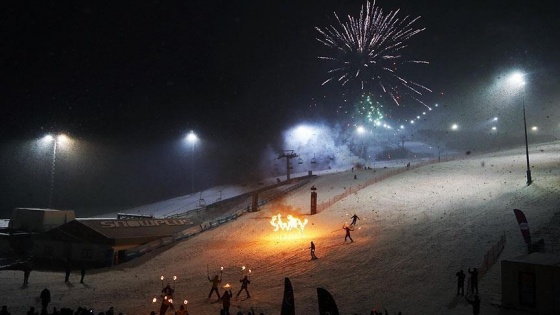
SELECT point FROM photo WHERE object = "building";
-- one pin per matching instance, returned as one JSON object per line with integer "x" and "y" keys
{"x": 532, "y": 283}
{"x": 38, "y": 220}
{"x": 105, "y": 242}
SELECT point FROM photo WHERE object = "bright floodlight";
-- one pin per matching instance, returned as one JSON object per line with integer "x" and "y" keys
{"x": 48, "y": 138}
{"x": 534, "y": 128}
{"x": 517, "y": 78}
{"x": 191, "y": 137}
{"x": 495, "y": 118}
{"x": 360, "y": 129}
{"x": 61, "y": 138}
{"x": 494, "y": 128}
{"x": 454, "y": 127}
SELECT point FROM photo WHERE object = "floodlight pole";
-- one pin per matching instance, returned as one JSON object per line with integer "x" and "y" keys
{"x": 529, "y": 179}
{"x": 53, "y": 164}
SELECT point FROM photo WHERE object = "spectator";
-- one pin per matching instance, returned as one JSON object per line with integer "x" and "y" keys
{"x": 45, "y": 298}
{"x": 226, "y": 301}
{"x": 460, "y": 282}
{"x": 4, "y": 310}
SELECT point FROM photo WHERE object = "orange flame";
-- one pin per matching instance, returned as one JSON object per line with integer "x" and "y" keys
{"x": 292, "y": 223}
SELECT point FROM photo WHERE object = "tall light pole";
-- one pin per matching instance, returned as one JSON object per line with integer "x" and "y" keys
{"x": 192, "y": 139}
{"x": 517, "y": 78}
{"x": 61, "y": 138}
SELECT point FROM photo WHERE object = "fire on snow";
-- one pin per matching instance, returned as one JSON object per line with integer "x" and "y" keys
{"x": 292, "y": 223}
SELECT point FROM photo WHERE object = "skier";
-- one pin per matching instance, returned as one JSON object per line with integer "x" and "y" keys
{"x": 312, "y": 248}
{"x": 226, "y": 301}
{"x": 244, "y": 282}
{"x": 354, "y": 218}
{"x": 348, "y": 229}
{"x": 460, "y": 283}
{"x": 215, "y": 281}
{"x": 474, "y": 280}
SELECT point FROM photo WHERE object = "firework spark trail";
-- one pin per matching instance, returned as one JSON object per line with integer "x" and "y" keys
{"x": 367, "y": 50}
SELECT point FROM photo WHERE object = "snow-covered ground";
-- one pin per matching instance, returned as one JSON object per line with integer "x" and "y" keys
{"x": 417, "y": 229}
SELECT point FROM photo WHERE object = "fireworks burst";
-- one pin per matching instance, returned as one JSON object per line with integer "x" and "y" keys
{"x": 367, "y": 51}
{"x": 368, "y": 111}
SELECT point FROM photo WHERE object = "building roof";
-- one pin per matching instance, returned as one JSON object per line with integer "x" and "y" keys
{"x": 538, "y": 258}
{"x": 130, "y": 229}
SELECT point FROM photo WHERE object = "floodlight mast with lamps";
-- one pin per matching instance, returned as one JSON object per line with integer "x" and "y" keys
{"x": 55, "y": 140}
{"x": 192, "y": 138}
{"x": 517, "y": 78}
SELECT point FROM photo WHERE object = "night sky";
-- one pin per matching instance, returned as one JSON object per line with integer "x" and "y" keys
{"x": 127, "y": 80}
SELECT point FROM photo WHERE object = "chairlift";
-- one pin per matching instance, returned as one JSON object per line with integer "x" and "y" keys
{"x": 313, "y": 160}
{"x": 300, "y": 161}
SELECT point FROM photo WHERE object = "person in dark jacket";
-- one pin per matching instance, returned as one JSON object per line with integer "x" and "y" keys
{"x": 226, "y": 301}
{"x": 474, "y": 280}
{"x": 67, "y": 270}
{"x": 475, "y": 304}
{"x": 4, "y": 310}
{"x": 354, "y": 218}
{"x": 215, "y": 281}
{"x": 348, "y": 229}
{"x": 460, "y": 283}
{"x": 244, "y": 282}
{"x": 45, "y": 298}
{"x": 312, "y": 248}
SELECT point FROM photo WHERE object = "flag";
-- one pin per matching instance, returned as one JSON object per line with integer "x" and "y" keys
{"x": 288, "y": 305}
{"x": 523, "y": 225}
{"x": 327, "y": 305}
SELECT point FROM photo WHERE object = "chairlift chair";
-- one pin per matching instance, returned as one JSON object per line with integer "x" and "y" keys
{"x": 313, "y": 160}
{"x": 300, "y": 161}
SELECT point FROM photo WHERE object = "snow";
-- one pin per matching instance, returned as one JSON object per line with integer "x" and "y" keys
{"x": 417, "y": 229}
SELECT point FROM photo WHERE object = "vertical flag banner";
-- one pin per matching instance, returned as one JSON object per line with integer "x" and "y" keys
{"x": 523, "y": 225}
{"x": 288, "y": 305}
{"x": 327, "y": 305}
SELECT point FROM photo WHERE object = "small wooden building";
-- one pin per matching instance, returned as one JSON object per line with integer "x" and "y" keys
{"x": 532, "y": 283}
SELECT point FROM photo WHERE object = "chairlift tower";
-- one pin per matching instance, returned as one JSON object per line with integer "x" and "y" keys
{"x": 288, "y": 154}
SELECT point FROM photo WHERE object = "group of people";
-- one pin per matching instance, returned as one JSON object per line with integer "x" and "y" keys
{"x": 345, "y": 227}
{"x": 461, "y": 276}
{"x": 27, "y": 267}
{"x": 63, "y": 311}
{"x": 168, "y": 291}
{"x": 227, "y": 294}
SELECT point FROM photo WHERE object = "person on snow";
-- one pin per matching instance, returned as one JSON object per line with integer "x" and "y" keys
{"x": 182, "y": 310}
{"x": 354, "y": 218}
{"x": 348, "y": 229}
{"x": 244, "y": 282}
{"x": 215, "y": 282}
{"x": 226, "y": 301}
{"x": 312, "y": 249}
{"x": 475, "y": 304}
{"x": 460, "y": 283}
{"x": 45, "y": 298}
{"x": 167, "y": 294}
{"x": 474, "y": 280}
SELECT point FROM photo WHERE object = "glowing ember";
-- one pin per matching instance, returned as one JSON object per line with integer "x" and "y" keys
{"x": 292, "y": 223}
{"x": 227, "y": 286}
